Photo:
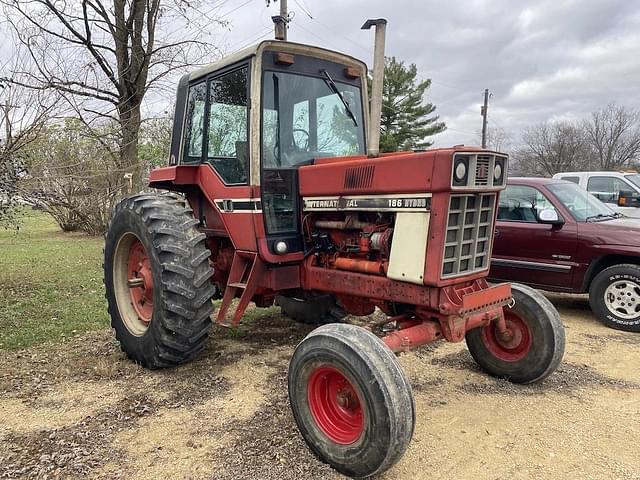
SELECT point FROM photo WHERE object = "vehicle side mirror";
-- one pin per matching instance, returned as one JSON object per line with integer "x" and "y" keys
{"x": 628, "y": 198}
{"x": 549, "y": 216}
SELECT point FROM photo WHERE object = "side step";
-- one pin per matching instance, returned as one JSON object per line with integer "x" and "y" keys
{"x": 246, "y": 272}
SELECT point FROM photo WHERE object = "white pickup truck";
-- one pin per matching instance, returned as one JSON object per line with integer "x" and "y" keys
{"x": 620, "y": 190}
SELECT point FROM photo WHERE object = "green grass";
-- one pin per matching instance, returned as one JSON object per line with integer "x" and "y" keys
{"x": 50, "y": 283}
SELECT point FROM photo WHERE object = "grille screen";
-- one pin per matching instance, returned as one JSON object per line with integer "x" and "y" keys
{"x": 469, "y": 230}
{"x": 483, "y": 164}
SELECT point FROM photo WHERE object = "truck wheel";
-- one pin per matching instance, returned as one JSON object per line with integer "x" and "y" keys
{"x": 312, "y": 310}
{"x": 351, "y": 399}
{"x": 614, "y": 296}
{"x": 535, "y": 347}
{"x": 156, "y": 272}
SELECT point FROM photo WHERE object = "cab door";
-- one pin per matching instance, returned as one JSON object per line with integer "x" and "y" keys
{"x": 530, "y": 252}
{"x": 608, "y": 189}
{"x": 285, "y": 125}
{"x": 216, "y": 137}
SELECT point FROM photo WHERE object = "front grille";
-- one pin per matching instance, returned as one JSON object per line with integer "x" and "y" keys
{"x": 483, "y": 165}
{"x": 469, "y": 230}
{"x": 481, "y": 169}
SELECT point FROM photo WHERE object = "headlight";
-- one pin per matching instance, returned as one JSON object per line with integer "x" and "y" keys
{"x": 281, "y": 247}
{"x": 497, "y": 172}
{"x": 460, "y": 171}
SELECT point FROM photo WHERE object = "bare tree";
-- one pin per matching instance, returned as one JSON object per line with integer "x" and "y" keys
{"x": 613, "y": 134}
{"x": 549, "y": 148}
{"x": 70, "y": 178}
{"x": 104, "y": 58}
{"x": 23, "y": 114}
{"x": 498, "y": 138}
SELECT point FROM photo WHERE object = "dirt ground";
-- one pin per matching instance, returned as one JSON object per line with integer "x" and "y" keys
{"x": 80, "y": 409}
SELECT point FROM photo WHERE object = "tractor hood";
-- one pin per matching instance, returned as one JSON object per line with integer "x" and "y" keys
{"x": 404, "y": 172}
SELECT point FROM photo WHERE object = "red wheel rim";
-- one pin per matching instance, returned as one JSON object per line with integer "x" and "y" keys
{"x": 514, "y": 344}
{"x": 335, "y": 405}
{"x": 140, "y": 281}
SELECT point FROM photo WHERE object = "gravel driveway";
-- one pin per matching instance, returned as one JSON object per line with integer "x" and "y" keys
{"x": 81, "y": 409}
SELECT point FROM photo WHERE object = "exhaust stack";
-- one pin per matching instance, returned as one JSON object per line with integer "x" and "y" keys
{"x": 376, "y": 84}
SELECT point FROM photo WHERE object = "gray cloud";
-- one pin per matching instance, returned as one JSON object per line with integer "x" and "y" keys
{"x": 544, "y": 59}
{"x": 558, "y": 59}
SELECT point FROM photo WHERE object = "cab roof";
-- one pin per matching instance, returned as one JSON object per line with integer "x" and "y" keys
{"x": 276, "y": 45}
{"x": 535, "y": 181}
{"x": 598, "y": 172}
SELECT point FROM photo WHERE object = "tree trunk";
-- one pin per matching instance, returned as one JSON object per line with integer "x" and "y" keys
{"x": 130, "y": 121}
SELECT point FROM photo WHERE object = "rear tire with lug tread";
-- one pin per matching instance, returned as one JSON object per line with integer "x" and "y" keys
{"x": 614, "y": 296}
{"x": 535, "y": 347}
{"x": 154, "y": 254}
{"x": 351, "y": 400}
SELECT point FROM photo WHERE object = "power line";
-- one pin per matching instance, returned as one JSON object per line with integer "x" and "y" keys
{"x": 465, "y": 90}
{"x": 235, "y": 9}
{"x": 303, "y": 9}
{"x": 317, "y": 36}
{"x": 248, "y": 41}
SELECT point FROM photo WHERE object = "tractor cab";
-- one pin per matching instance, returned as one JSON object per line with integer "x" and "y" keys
{"x": 254, "y": 118}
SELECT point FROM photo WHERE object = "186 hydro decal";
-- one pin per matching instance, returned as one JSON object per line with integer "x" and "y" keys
{"x": 396, "y": 203}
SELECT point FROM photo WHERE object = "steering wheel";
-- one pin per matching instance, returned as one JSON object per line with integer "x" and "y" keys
{"x": 293, "y": 140}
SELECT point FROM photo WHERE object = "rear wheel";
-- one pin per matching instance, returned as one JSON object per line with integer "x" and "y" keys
{"x": 156, "y": 268}
{"x": 317, "y": 310}
{"x": 351, "y": 399}
{"x": 614, "y": 296}
{"x": 533, "y": 346}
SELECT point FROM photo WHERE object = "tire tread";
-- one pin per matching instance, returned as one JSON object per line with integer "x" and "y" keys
{"x": 184, "y": 319}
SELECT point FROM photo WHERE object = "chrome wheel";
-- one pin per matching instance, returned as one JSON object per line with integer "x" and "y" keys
{"x": 622, "y": 298}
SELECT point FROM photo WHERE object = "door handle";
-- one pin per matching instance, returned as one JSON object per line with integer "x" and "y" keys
{"x": 496, "y": 233}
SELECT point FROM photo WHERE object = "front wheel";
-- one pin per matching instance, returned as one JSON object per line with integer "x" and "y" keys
{"x": 614, "y": 296}
{"x": 351, "y": 399}
{"x": 533, "y": 346}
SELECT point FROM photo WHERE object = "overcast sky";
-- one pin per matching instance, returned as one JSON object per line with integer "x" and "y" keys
{"x": 541, "y": 60}
{"x": 544, "y": 59}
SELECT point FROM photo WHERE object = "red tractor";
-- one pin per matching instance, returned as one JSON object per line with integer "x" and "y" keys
{"x": 278, "y": 201}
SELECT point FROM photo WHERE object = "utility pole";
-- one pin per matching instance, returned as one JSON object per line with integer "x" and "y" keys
{"x": 281, "y": 22}
{"x": 483, "y": 112}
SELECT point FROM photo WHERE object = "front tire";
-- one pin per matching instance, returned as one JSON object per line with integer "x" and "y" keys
{"x": 351, "y": 400}
{"x": 535, "y": 347}
{"x": 614, "y": 296}
{"x": 156, "y": 270}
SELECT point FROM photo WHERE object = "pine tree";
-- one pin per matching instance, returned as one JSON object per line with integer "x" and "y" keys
{"x": 405, "y": 123}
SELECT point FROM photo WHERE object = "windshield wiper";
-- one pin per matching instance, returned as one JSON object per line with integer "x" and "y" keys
{"x": 601, "y": 216}
{"x": 334, "y": 88}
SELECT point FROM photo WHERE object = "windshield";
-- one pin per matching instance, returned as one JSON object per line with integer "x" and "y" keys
{"x": 635, "y": 178}
{"x": 582, "y": 205}
{"x": 305, "y": 117}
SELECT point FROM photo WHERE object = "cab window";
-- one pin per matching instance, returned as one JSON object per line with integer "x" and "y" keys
{"x": 575, "y": 180}
{"x": 227, "y": 145}
{"x": 607, "y": 189}
{"x": 194, "y": 127}
{"x": 303, "y": 118}
{"x": 520, "y": 203}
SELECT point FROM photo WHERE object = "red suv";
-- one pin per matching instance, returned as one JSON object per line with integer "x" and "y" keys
{"x": 554, "y": 235}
